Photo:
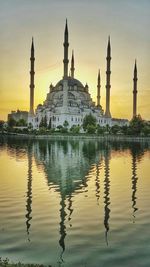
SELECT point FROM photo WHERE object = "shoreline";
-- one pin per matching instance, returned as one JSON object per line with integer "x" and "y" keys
{"x": 119, "y": 138}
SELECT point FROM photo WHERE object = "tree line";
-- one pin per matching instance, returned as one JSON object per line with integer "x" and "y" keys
{"x": 137, "y": 127}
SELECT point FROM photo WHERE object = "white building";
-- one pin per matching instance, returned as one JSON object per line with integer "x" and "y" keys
{"x": 69, "y": 100}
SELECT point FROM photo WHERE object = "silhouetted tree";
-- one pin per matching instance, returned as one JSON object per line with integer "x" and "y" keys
{"x": 100, "y": 129}
{"x": 124, "y": 129}
{"x": 115, "y": 129}
{"x": 41, "y": 123}
{"x": 91, "y": 129}
{"x": 89, "y": 120}
{"x": 66, "y": 124}
{"x": 11, "y": 122}
{"x": 21, "y": 122}
{"x": 136, "y": 125}
{"x": 1, "y": 124}
{"x": 75, "y": 129}
{"x": 50, "y": 124}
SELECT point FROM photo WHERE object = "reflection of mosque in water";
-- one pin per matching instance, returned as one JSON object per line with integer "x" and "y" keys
{"x": 67, "y": 165}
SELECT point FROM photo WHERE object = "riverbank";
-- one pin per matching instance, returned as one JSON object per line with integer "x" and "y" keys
{"x": 21, "y": 265}
{"x": 7, "y": 263}
{"x": 58, "y": 136}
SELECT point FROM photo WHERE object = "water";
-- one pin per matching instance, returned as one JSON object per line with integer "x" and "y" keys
{"x": 75, "y": 203}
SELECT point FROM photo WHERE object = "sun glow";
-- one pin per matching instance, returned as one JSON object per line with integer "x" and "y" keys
{"x": 88, "y": 38}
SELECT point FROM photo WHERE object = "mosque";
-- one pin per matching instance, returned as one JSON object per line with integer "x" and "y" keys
{"x": 69, "y": 100}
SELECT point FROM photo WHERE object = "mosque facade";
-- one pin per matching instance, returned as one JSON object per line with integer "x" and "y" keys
{"x": 69, "y": 100}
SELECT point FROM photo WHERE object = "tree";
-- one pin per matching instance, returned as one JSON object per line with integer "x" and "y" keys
{"x": 41, "y": 123}
{"x": 66, "y": 124}
{"x": 146, "y": 129}
{"x": 64, "y": 130}
{"x": 115, "y": 129}
{"x": 45, "y": 122}
{"x": 136, "y": 125}
{"x": 21, "y": 122}
{"x": 59, "y": 127}
{"x": 11, "y": 122}
{"x": 50, "y": 124}
{"x": 30, "y": 126}
{"x": 107, "y": 129}
{"x": 75, "y": 129}
{"x": 100, "y": 129}
{"x": 89, "y": 120}
{"x": 124, "y": 129}
{"x": 91, "y": 129}
{"x": 42, "y": 130}
{"x": 1, "y": 124}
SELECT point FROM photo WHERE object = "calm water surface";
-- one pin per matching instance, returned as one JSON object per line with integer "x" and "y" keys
{"x": 75, "y": 203}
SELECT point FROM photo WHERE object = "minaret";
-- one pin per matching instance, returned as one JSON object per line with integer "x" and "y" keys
{"x": 98, "y": 89}
{"x": 66, "y": 45}
{"x": 108, "y": 86}
{"x": 72, "y": 69}
{"x": 135, "y": 91}
{"x": 32, "y": 59}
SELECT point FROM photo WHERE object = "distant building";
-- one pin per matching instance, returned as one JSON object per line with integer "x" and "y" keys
{"x": 17, "y": 115}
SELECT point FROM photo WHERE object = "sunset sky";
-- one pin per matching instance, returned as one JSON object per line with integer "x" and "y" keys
{"x": 90, "y": 22}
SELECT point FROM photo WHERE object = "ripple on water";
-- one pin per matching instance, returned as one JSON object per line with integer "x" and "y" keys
{"x": 76, "y": 204}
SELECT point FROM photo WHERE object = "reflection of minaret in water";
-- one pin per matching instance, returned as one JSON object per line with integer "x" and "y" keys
{"x": 106, "y": 195}
{"x": 134, "y": 184}
{"x": 69, "y": 197}
{"x": 62, "y": 225}
{"x": 29, "y": 193}
{"x": 65, "y": 196}
{"x": 97, "y": 181}
{"x": 70, "y": 209}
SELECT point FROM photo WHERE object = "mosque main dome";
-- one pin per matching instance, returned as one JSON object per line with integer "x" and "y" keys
{"x": 78, "y": 95}
{"x": 71, "y": 83}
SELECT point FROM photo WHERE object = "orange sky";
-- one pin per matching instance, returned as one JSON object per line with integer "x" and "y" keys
{"x": 90, "y": 23}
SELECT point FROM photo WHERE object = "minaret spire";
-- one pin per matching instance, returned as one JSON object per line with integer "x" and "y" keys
{"x": 135, "y": 91}
{"x": 72, "y": 69}
{"x": 98, "y": 89}
{"x": 66, "y": 45}
{"x": 108, "y": 86}
{"x": 32, "y": 59}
